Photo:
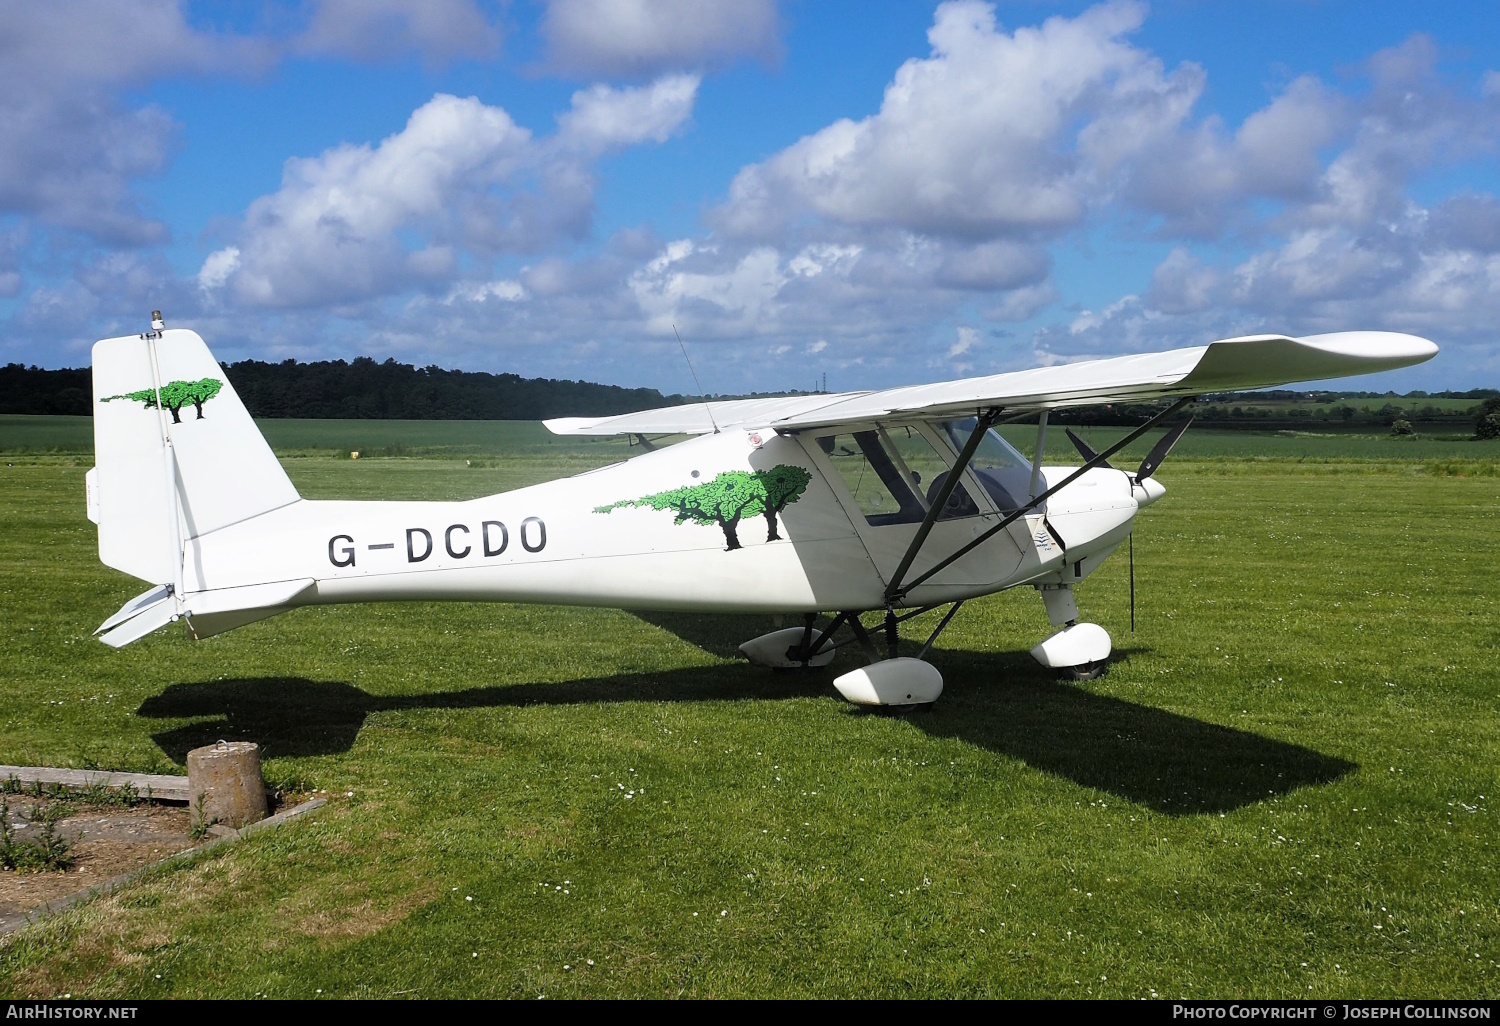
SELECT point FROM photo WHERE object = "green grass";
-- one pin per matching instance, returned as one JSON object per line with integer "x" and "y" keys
{"x": 1284, "y": 787}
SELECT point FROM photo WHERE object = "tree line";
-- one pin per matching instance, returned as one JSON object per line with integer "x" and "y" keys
{"x": 360, "y": 389}
{"x": 1325, "y": 396}
{"x": 364, "y": 389}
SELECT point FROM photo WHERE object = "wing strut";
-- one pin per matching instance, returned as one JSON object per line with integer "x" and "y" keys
{"x": 894, "y": 592}
{"x": 941, "y": 624}
{"x": 1041, "y": 447}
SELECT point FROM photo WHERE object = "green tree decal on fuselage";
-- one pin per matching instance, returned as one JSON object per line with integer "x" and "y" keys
{"x": 784, "y": 485}
{"x": 729, "y": 498}
{"x": 175, "y": 395}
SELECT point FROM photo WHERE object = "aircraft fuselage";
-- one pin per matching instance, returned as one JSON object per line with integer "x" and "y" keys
{"x": 735, "y": 521}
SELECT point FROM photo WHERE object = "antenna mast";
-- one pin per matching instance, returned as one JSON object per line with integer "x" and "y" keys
{"x": 169, "y": 460}
{"x": 696, "y": 383}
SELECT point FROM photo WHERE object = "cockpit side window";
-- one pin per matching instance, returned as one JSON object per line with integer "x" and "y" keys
{"x": 893, "y": 475}
{"x": 1003, "y": 471}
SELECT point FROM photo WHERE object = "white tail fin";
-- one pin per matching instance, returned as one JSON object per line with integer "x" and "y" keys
{"x": 176, "y": 453}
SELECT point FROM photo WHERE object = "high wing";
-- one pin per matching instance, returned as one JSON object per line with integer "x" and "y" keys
{"x": 1254, "y": 361}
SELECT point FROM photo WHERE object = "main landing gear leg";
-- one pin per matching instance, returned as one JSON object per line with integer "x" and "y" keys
{"x": 794, "y": 648}
{"x": 891, "y": 681}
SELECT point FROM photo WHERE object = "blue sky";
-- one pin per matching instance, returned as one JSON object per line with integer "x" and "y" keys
{"x": 886, "y": 191}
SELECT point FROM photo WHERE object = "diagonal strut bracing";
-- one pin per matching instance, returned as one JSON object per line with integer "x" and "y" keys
{"x": 894, "y": 592}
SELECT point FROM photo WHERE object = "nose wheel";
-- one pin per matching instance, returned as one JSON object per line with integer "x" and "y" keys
{"x": 1080, "y": 651}
{"x": 1088, "y": 671}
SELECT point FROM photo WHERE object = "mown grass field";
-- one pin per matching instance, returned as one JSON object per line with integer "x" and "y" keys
{"x": 1283, "y": 787}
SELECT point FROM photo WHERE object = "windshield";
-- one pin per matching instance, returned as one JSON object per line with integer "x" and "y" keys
{"x": 893, "y": 476}
{"x": 1003, "y": 471}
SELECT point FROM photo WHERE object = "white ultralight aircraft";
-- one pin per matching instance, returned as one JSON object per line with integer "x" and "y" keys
{"x": 894, "y": 502}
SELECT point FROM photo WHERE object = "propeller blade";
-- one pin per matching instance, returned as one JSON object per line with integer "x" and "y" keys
{"x": 1084, "y": 449}
{"x": 1132, "y": 582}
{"x": 1155, "y": 457}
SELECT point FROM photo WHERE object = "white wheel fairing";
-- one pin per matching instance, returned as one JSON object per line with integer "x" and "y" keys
{"x": 770, "y": 650}
{"x": 1078, "y": 645}
{"x": 902, "y": 681}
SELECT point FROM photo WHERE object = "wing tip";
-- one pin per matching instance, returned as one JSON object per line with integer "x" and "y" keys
{"x": 1395, "y": 348}
{"x": 569, "y": 425}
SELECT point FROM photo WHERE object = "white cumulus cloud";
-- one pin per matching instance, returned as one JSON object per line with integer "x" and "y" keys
{"x": 330, "y": 234}
{"x": 73, "y": 145}
{"x": 979, "y": 140}
{"x": 461, "y": 178}
{"x": 1004, "y": 150}
{"x": 438, "y": 30}
{"x": 76, "y": 144}
{"x": 604, "y": 118}
{"x": 218, "y": 267}
{"x": 967, "y": 339}
{"x": 504, "y": 289}
{"x": 640, "y": 38}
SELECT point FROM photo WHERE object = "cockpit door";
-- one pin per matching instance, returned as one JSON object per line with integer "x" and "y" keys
{"x": 886, "y": 477}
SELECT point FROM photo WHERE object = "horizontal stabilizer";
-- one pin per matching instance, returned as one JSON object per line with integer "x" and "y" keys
{"x": 142, "y": 623}
{"x": 160, "y": 593}
{"x": 207, "y": 612}
{"x": 206, "y": 625}
{"x": 224, "y": 609}
{"x": 251, "y": 596}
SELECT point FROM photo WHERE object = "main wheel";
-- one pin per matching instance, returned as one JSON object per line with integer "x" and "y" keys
{"x": 1087, "y": 671}
{"x": 901, "y": 710}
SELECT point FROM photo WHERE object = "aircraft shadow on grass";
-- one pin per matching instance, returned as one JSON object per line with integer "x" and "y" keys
{"x": 1001, "y": 702}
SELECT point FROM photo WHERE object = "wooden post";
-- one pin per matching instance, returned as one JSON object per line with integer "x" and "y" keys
{"x": 225, "y": 785}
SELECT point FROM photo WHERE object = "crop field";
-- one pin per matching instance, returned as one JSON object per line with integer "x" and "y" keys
{"x": 527, "y": 442}
{"x": 1284, "y": 786}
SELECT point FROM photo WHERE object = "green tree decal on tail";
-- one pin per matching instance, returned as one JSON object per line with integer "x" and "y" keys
{"x": 728, "y": 499}
{"x": 175, "y": 395}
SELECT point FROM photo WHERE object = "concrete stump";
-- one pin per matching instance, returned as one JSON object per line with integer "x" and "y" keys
{"x": 227, "y": 777}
